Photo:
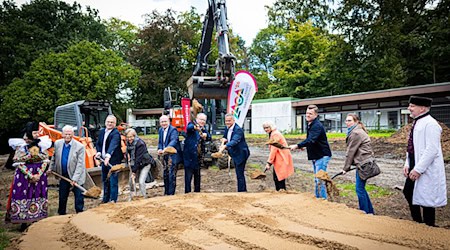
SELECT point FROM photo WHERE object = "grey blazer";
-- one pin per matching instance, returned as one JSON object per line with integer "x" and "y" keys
{"x": 76, "y": 168}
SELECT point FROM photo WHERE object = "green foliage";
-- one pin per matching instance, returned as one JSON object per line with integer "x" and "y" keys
{"x": 318, "y": 11}
{"x": 254, "y": 166}
{"x": 84, "y": 72}
{"x": 123, "y": 35}
{"x": 162, "y": 54}
{"x": 4, "y": 239}
{"x": 396, "y": 40}
{"x": 39, "y": 27}
{"x": 302, "y": 70}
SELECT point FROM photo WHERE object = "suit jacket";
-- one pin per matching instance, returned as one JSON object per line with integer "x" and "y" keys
{"x": 75, "y": 164}
{"x": 112, "y": 147}
{"x": 190, "y": 152}
{"x": 237, "y": 147}
{"x": 171, "y": 140}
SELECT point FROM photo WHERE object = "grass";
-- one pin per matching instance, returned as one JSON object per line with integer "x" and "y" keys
{"x": 254, "y": 166}
{"x": 4, "y": 238}
{"x": 348, "y": 190}
{"x": 214, "y": 167}
{"x": 304, "y": 173}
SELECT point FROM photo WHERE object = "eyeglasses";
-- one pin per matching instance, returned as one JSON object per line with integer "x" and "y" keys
{"x": 265, "y": 127}
{"x": 348, "y": 120}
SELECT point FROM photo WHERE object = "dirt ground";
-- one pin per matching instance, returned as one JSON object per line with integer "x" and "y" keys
{"x": 219, "y": 218}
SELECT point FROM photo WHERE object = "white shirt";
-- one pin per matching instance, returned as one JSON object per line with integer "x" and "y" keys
{"x": 107, "y": 132}
{"x": 165, "y": 135}
{"x": 230, "y": 131}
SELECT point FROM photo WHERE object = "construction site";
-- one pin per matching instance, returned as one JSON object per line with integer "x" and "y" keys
{"x": 149, "y": 97}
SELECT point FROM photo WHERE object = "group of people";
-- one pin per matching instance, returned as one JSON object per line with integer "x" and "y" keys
{"x": 425, "y": 186}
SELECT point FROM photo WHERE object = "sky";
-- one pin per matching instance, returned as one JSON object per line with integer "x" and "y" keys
{"x": 246, "y": 17}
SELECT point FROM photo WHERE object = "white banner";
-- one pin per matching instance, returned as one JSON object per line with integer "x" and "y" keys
{"x": 240, "y": 95}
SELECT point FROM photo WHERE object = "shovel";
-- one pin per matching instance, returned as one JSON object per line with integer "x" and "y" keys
{"x": 340, "y": 173}
{"x": 133, "y": 181}
{"x": 93, "y": 192}
{"x": 113, "y": 169}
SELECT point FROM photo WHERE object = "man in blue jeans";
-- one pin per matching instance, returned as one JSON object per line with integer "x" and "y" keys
{"x": 108, "y": 147}
{"x": 317, "y": 147}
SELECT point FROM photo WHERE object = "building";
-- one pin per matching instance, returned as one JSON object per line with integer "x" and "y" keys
{"x": 144, "y": 121}
{"x": 382, "y": 109}
{"x": 277, "y": 110}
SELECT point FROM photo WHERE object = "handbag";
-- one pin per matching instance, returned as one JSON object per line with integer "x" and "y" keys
{"x": 368, "y": 169}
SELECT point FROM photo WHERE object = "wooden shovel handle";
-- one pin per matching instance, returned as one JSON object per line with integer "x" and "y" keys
{"x": 70, "y": 181}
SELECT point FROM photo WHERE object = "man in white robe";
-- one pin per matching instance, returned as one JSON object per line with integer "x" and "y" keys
{"x": 425, "y": 186}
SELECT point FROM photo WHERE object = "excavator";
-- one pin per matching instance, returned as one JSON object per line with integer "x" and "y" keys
{"x": 200, "y": 85}
{"x": 87, "y": 117}
{"x": 210, "y": 91}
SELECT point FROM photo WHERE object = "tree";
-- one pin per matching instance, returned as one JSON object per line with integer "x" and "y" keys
{"x": 319, "y": 12}
{"x": 39, "y": 27}
{"x": 83, "y": 72}
{"x": 399, "y": 43}
{"x": 263, "y": 56}
{"x": 161, "y": 56}
{"x": 123, "y": 35}
{"x": 302, "y": 70}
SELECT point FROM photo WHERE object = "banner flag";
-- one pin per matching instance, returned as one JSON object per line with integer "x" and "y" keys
{"x": 186, "y": 107}
{"x": 240, "y": 95}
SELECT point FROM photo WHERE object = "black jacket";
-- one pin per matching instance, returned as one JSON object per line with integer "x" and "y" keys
{"x": 316, "y": 141}
{"x": 142, "y": 157}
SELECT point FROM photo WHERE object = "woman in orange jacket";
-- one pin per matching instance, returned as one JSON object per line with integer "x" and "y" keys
{"x": 280, "y": 159}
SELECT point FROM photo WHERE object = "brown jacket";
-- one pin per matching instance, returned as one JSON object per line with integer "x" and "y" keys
{"x": 358, "y": 148}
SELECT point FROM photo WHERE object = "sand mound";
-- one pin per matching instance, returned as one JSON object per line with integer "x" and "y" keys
{"x": 395, "y": 145}
{"x": 269, "y": 220}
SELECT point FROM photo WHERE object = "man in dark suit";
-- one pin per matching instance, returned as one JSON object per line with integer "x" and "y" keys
{"x": 168, "y": 136}
{"x": 194, "y": 148}
{"x": 108, "y": 147}
{"x": 237, "y": 148}
{"x": 69, "y": 161}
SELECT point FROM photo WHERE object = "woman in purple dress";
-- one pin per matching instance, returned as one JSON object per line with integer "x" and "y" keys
{"x": 28, "y": 195}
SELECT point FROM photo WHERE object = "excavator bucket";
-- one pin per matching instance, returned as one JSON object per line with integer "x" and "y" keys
{"x": 206, "y": 87}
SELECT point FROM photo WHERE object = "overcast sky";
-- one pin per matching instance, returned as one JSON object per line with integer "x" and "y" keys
{"x": 246, "y": 17}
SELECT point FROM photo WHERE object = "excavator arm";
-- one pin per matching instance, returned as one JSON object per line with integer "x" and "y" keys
{"x": 200, "y": 85}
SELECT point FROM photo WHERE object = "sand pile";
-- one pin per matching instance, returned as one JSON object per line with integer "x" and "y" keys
{"x": 396, "y": 144}
{"x": 267, "y": 220}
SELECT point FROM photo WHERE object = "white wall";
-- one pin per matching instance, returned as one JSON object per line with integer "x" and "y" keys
{"x": 280, "y": 113}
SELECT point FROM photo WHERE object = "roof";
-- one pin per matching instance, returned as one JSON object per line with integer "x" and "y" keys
{"x": 154, "y": 111}
{"x": 375, "y": 95}
{"x": 280, "y": 99}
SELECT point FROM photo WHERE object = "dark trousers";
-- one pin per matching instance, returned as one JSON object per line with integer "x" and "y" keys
{"x": 64, "y": 190}
{"x": 278, "y": 184}
{"x": 241, "y": 186}
{"x": 110, "y": 185}
{"x": 429, "y": 213}
{"x": 188, "y": 173}
{"x": 170, "y": 176}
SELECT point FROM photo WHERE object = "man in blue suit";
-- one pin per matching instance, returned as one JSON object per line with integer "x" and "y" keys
{"x": 237, "y": 148}
{"x": 194, "y": 148}
{"x": 108, "y": 146}
{"x": 168, "y": 136}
